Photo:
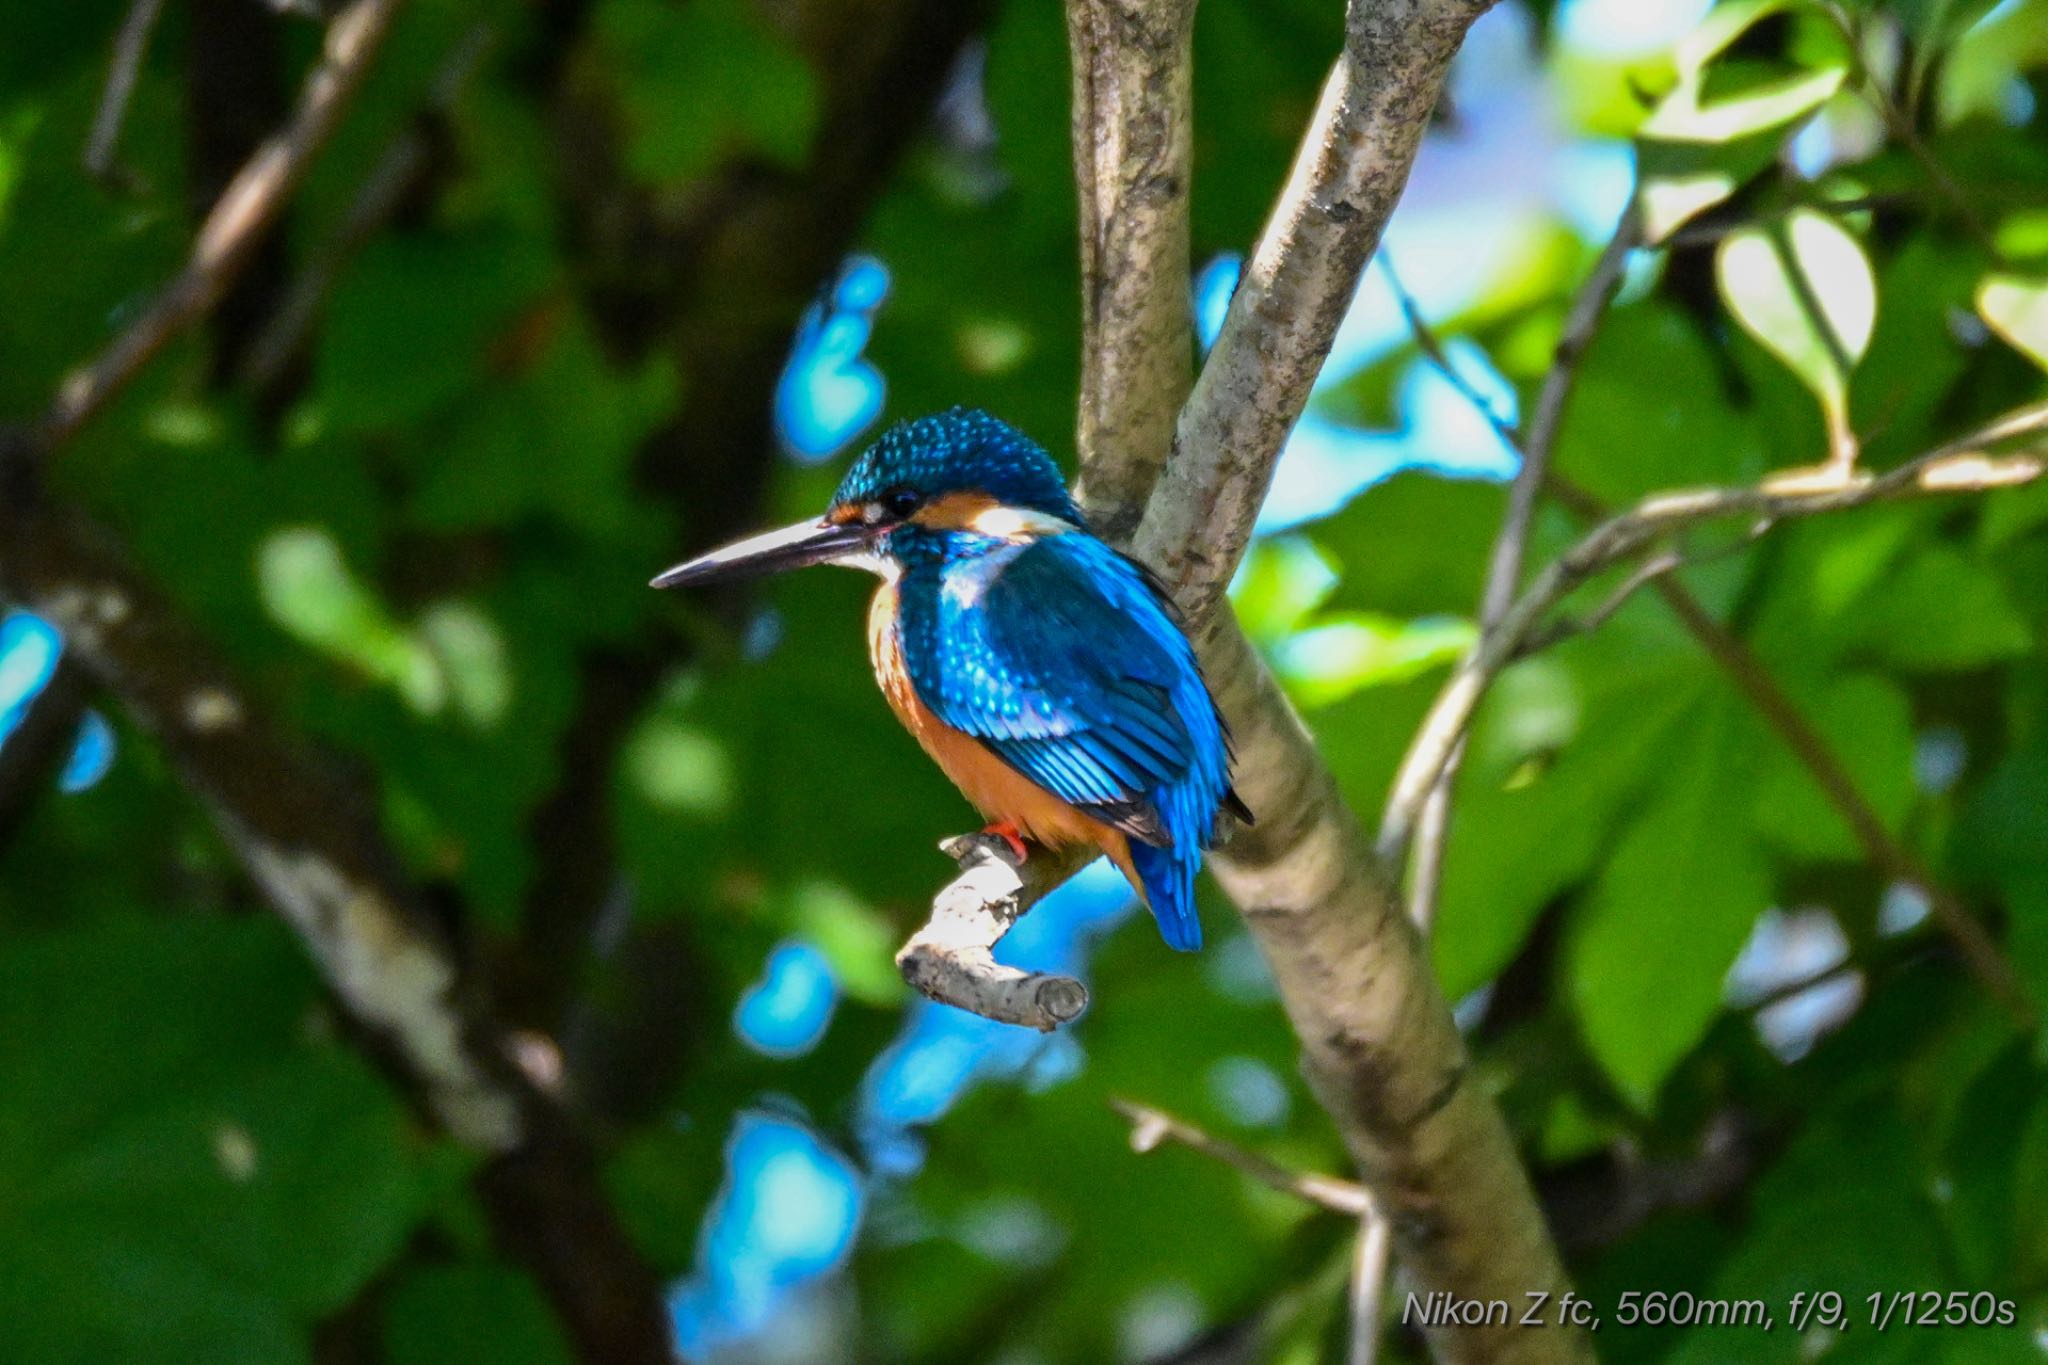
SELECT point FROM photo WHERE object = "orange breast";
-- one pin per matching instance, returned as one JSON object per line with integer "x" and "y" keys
{"x": 997, "y": 790}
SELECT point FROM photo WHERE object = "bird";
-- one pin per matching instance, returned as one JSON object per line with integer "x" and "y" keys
{"x": 1047, "y": 674}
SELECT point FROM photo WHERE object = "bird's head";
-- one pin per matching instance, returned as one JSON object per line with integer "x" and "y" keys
{"x": 961, "y": 473}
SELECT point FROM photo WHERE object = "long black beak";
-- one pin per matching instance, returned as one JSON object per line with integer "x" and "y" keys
{"x": 792, "y": 547}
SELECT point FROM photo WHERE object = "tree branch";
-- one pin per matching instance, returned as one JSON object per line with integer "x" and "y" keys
{"x": 1980, "y": 953}
{"x": 1723, "y": 646}
{"x": 1962, "y": 466}
{"x": 1151, "y": 1127}
{"x": 308, "y": 843}
{"x": 313, "y": 851}
{"x": 1296, "y": 287}
{"x": 131, "y": 45}
{"x": 1379, "y": 1045}
{"x": 1133, "y": 144}
{"x": 238, "y": 224}
{"x": 1510, "y": 547}
{"x": 949, "y": 959}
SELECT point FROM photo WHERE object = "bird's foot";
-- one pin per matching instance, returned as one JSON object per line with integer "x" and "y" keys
{"x": 1007, "y": 831}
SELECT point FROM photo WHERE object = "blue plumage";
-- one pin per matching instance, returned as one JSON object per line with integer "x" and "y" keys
{"x": 1057, "y": 654}
{"x": 1041, "y": 669}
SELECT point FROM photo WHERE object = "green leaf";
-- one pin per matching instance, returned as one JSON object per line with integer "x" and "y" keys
{"x": 1719, "y": 99}
{"x": 704, "y": 81}
{"x": 309, "y": 590}
{"x": 1867, "y": 725}
{"x": 1805, "y": 290}
{"x": 1672, "y": 907}
{"x": 470, "y": 654}
{"x": 1518, "y": 841}
{"x": 1645, "y": 416}
{"x": 412, "y": 321}
{"x": 1416, "y": 545}
{"x": 1284, "y": 579}
{"x": 184, "y": 1175}
{"x": 472, "y": 1314}
{"x": 1689, "y": 115}
{"x": 2016, "y": 307}
{"x": 859, "y": 944}
{"x": 1844, "y": 1211}
{"x": 1939, "y": 612}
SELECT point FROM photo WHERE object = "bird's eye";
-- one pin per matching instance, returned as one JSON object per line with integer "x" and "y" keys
{"x": 899, "y": 502}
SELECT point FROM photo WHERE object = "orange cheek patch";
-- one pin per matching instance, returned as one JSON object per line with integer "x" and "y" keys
{"x": 845, "y": 515}
{"x": 954, "y": 511}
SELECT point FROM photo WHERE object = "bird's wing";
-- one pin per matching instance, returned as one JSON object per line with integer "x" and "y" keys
{"x": 1061, "y": 660}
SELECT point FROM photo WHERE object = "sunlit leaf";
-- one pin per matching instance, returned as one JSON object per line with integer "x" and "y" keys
{"x": 1803, "y": 288}
{"x": 2016, "y": 307}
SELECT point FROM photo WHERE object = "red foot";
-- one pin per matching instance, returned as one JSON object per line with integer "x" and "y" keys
{"x": 1008, "y": 832}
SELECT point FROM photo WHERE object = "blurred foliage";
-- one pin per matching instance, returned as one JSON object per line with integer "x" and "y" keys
{"x": 427, "y": 544}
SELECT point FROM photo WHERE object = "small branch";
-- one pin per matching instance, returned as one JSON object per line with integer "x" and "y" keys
{"x": 1133, "y": 145}
{"x": 1980, "y": 952}
{"x": 1503, "y": 572}
{"x": 1962, "y": 466}
{"x": 1727, "y": 649}
{"x": 238, "y": 223}
{"x": 1372, "y": 1262}
{"x": 1535, "y": 444}
{"x": 950, "y": 960}
{"x": 1379, "y": 1046}
{"x": 1152, "y": 1127}
{"x": 1300, "y": 280}
{"x": 1898, "y": 123}
{"x": 391, "y": 183}
{"x": 103, "y": 146}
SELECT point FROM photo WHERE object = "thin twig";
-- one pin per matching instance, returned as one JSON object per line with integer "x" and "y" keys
{"x": 391, "y": 182}
{"x": 1961, "y": 466}
{"x": 1379, "y": 1045}
{"x": 1372, "y": 1261}
{"x": 131, "y": 45}
{"x": 1736, "y": 659}
{"x": 1151, "y": 1127}
{"x": 1535, "y": 444}
{"x": 1899, "y": 125}
{"x": 1980, "y": 952}
{"x": 1504, "y": 570}
{"x": 236, "y": 225}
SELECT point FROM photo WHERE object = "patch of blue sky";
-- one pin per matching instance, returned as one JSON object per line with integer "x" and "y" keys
{"x": 91, "y": 756}
{"x": 1506, "y": 168}
{"x": 1625, "y": 28}
{"x": 829, "y": 393}
{"x": 787, "y": 1011}
{"x": 786, "y": 1215}
{"x": 29, "y": 650}
{"x": 29, "y": 647}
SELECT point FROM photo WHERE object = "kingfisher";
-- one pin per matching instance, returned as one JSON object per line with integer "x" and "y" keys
{"x": 1047, "y": 675}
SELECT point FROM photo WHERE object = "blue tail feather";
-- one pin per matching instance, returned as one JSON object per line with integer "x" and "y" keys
{"x": 1169, "y": 878}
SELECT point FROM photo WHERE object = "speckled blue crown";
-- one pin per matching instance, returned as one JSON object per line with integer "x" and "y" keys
{"x": 963, "y": 450}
